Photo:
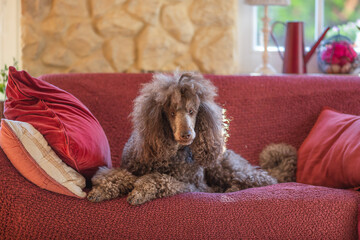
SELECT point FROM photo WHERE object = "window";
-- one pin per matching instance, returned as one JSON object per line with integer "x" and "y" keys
{"x": 345, "y": 16}
{"x": 342, "y": 15}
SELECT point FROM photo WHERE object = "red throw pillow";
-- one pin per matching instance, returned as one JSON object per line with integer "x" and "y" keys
{"x": 330, "y": 155}
{"x": 67, "y": 125}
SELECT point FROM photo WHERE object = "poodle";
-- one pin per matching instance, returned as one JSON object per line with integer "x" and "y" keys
{"x": 178, "y": 145}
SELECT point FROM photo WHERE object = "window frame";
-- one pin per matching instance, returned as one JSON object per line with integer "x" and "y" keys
{"x": 319, "y": 26}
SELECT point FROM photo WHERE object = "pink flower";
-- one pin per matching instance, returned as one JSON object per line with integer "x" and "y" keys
{"x": 339, "y": 49}
{"x": 339, "y": 53}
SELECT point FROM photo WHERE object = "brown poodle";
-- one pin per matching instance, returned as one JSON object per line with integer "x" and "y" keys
{"x": 177, "y": 145}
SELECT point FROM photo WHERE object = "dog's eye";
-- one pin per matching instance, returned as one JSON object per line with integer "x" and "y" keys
{"x": 191, "y": 112}
{"x": 173, "y": 114}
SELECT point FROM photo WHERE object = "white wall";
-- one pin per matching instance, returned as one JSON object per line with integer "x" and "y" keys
{"x": 9, "y": 31}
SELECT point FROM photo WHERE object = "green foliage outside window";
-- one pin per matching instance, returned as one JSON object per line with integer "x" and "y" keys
{"x": 345, "y": 14}
{"x": 4, "y": 77}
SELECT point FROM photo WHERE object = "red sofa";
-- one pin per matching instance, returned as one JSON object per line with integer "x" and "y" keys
{"x": 262, "y": 109}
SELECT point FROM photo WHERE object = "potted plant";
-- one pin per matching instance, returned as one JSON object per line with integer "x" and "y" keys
{"x": 3, "y": 82}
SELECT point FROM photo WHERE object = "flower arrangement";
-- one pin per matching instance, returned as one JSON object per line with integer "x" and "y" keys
{"x": 337, "y": 55}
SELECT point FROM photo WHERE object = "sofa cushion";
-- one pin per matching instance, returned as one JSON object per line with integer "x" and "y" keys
{"x": 67, "y": 125}
{"x": 330, "y": 154}
{"x": 31, "y": 155}
{"x": 281, "y": 211}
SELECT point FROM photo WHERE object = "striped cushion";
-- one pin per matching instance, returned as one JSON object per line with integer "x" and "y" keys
{"x": 31, "y": 155}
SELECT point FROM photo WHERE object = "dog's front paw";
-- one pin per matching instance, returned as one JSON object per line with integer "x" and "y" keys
{"x": 137, "y": 197}
{"x": 233, "y": 188}
{"x": 96, "y": 195}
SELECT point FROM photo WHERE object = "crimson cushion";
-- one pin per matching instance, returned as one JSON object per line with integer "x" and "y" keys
{"x": 66, "y": 124}
{"x": 330, "y": 155}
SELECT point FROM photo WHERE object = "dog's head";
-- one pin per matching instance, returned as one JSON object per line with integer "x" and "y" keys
{"x": 181, "y": 108}
{"x": 178, "y": 107}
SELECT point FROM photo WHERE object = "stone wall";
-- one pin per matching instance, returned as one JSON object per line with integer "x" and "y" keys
{"x": 129, "y": 36}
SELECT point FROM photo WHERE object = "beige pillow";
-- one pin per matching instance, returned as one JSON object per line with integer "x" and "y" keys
{"x": 32, "y": 156}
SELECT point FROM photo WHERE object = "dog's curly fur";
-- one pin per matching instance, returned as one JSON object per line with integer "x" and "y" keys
{"x": 279, "y": 160}
{"x": 177, "y": 145}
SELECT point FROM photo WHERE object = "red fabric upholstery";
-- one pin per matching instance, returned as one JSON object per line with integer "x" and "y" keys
{"x": 262, "y": 109}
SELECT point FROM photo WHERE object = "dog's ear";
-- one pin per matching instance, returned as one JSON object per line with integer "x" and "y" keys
{"x": 150, "y": 122}
{"x": 209, "y": 141}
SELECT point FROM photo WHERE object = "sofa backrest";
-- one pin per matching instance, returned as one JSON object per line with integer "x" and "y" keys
{"x": 262, "y": 109}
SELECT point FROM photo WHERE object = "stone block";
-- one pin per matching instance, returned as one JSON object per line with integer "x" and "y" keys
{"x": 81, "y": 39}
{"x": 118, "y": 22}
{"x": 175, "y": 20}
{"x": 96, "y": 63}
{"x": 120, "y": 52}
{"x": 54, "y": 25}
{"x": 71, "y": 8}
{"x": 156, "y": 49}
{"x": 57, "y": 55}
{"x": 213, "y": 50}
{"x": 32, "y": 43}
{"x": 36, "y": 9}
{"x": 100, "y": 7}
{"x": 147, "y": 10}
{"x": 213, "y": 12}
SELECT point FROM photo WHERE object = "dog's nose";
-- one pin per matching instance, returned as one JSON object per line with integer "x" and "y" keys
{"x": 186, "y": 135}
